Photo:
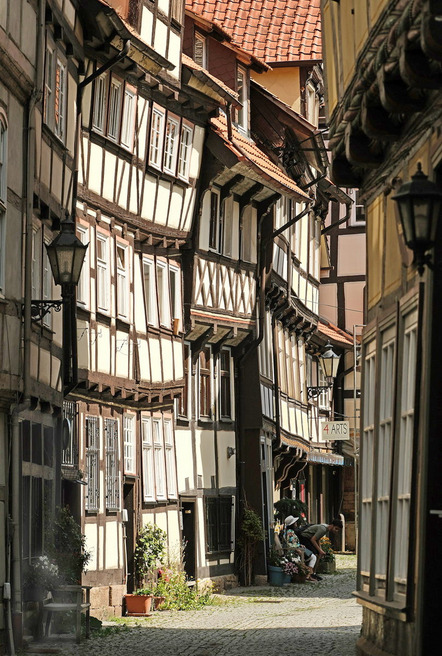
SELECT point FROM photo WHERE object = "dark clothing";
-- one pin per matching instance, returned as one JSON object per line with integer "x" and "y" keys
{"x": 308, "y": 543}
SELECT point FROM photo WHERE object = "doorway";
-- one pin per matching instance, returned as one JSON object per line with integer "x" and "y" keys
{"x": 129, "y": 546}
{"x": 189, "y": 552}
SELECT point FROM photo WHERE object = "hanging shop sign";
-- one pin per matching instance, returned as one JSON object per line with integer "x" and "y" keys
{"x": 334, "y": 430}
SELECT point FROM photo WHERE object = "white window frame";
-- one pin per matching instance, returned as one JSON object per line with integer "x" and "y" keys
{"x": 101, "y": 87}
{"x": 156, "y": 137}
{"x": 103, "y": 274}
{"x": 186, "y": 142}
{"x": 122, "y": 280}
{"x": 367, "y": 457}
{"x": 215, "y": 222}
{"x": 150, "y": 299}
{"x": 92, "y": 424}
{"x": 83, "y": 292}
{"x": 49, "y": 90}
{"x": 242, "y": 115}
{"x": 36, "y": 262}
{"x": 148, "y": 462}
{"x": 129, "y": 429}
{"x": 175, "y": 296}
{"x": 159, "y": 458}
{"x": 171, "y": 143}
{"x": 200, "y": 54}
{"x": 128, "y": 120}
{"x": 60, "y": 90}
{"x": 169, "y": 452}
{"x": 112, "y": 477}
{"x": 230, "y": 376}
{"x": 114, "y": 111}
{"x": 163, "y": 293}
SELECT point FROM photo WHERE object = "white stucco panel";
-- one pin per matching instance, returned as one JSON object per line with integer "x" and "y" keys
{"x": 90, "y": 531}
{"x": 226, "y": 466}
{"x": 205, "y": 447}
{"x": 197, "y": 150}
{"x": 187, "y": 211}
{"x": 143, "y": 352}
{"x": 146, "y": 25}
{"x": 149, "y": 196}
{"x": 176, "y": 207}
{"x": 112, "y": 545}
{"x": 95, "y": 168}
{"x": 101, "y": 547}
{"x": 122, "y": 354}
{"x": 167, "y": 358}
{"x": 178, "y": 355}
{"x": 163, "y": 198}
{"x": 184, "y": 458}
{"x": 155, "y": 359}
{"x": 142, "y": 119}
{"x": 110, "y": 162}
{"x": 160, "y": 37}
{"x": 103, "y": 337}
{"x": 174, "y": 53}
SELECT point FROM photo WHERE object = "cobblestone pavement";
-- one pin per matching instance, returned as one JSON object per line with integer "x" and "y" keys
{"x": 298, "y": 619}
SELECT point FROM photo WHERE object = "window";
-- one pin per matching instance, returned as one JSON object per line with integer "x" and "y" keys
{"x": 405, "y": 450}
{"x": 103, "y": 270}
{"x": 384, "y": 453}
{"x": 163, "y": 294}
{"x": 248, "y": 235}
{"x": 171, "y": 145}
{"x": 170, "y": 459}
{"x": 83, "y": 283}
{"x": 55, "y": 87}
{"x": 225, "y": 384}
{"x": 129, "y": 444}
{"x": 60, "y": 100}
{"x": 215, "y": 224}
{"x": 149, "y": 292}
{"x": 92, "y": 464}
{"x": 156, "y": 138}
{"x": 242, "y": 90}
{"x": 160, "y": 469}
{"x": 115, "y": 95}
{"x": 175, "y": 296}
{"x": 122, "y": 282}
{"x": 148, "y": 460}
{"x": 185, "y": 152}
{"x": 219, "y": 523}
{"x": 311, "y": 104}
{"x": 112, "y": 464}
{"x": 228, "y": 229}
{"x": 36, "y": 262}
{"x": 100, "y": 103}
{"x": 128, "y": 121}
{"x": 199, "y": 50}
{"x": 205, "y": 382}
{"x": 176, "y": 10}
{"x": 367, "y": 446}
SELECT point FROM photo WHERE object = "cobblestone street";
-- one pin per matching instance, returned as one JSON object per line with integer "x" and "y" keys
{"x": 313, "y": 618}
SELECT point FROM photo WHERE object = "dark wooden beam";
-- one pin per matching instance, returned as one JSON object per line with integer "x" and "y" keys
{"x": 397, "y": 97}
{"x": 359, "y": 149}
{"x": 377, "y": 123}
{"x": 344, "y": 174}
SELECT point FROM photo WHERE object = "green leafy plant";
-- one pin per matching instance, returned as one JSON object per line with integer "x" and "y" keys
{"x": 66, "y": 546}
{"x": 250, "y": 535}
{"x": 150, "y": 553}
{"x": 178, "y": 595}
{"x": 42, "y": 573}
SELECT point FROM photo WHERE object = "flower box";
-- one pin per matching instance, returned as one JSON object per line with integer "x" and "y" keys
{"x": 277, "y": 576}
{"x": 138, "y": 604}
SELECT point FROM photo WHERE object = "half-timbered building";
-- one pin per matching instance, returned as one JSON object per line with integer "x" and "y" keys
{"x": 383, "y": 90}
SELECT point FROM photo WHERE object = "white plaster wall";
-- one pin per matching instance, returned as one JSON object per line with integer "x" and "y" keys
{"x": 351, "y": 255}
{"x": 149, "y": 195}
{"x": 103, "y": 363}
{"x": 29, "y": 29}
{"x": 354, "y": 302}
{"x": 162, "y": 207}
{"x": 328, "y": 302}
{"x": 178, "y": 355}
{"x": 101, "y": 542}
{"x": 144, "y": 359}
{"x": 226, "y": 466}
{"x": 146, "y": 25}
{"x": 57, "y": 173}
{"x": 176, "y": 205}
{"x": 184, "y": 458}
{"x": 122, "y": 354}
{"x": 160, "y": 42}
{"x": 112, "y": 545}
{"x": 95, "y": 168}
{"x": 155, "y": 358}
{"x": 110, "y": 162}
{"x": 55, "y": 381}
{"x": 167, "y": 353}
{"x": 174, "y": 53}
{"x": 90, "y": 531}
{"x": 205, "y": 455}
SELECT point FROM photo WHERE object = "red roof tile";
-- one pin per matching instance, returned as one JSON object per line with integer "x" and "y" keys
{"x": 273, "y": 30}
{"x": 247, "y": 151}
{"x": 335, "y": 334}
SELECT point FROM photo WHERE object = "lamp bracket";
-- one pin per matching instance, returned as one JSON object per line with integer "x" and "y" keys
{"x": 40, "y": 309}
{"x": 313, "y": 392}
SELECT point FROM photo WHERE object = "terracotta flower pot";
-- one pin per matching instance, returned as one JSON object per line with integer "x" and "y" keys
{"x": 158, "y": 602}
{"x": 138, "y": 604}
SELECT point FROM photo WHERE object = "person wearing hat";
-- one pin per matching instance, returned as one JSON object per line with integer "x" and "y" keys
{"x": 292, "y": 543}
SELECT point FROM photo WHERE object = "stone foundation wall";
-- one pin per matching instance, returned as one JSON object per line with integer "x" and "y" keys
{"x": 107, "y": 601}
{"x": 384, "y": 636}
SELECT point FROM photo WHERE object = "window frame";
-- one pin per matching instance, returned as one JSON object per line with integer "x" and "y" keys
{"x": 122, "y": 281}
{"x": 216, "y": 542}
{"x": 157, "y": 129}
{"x": 205, "y": 394}
{"x": 92, "y": 463}
{"x": 150, "y": 302}
{"x": 201, "y": 60}
{"x": 215, "y": 225}
{"x": 129, "y": 444}
{"x": 171, "y": 146}
{"x": 128, "y": 116}
{"x": 226, "y": 374}
{"x": 114, "y": 117}
{"x": 83, "y": 287}
{"x": 112, "y": 472}
{"x": 242, "y": 115}
{"x": 55, "y": 89}
{"x": 103, "y": 268}
{"x": 183, "y": 166}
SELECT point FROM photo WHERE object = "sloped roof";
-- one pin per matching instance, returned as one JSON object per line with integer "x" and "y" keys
{"x": 335, "y": 334}
{"x": 275, "y": 31}
{"x": 248, "y": 152}
{"x": 214, "y": 82}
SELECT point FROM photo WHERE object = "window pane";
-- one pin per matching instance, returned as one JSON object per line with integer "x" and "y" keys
{"x": 100, "y": 101}
{"x": 114, "y": 110}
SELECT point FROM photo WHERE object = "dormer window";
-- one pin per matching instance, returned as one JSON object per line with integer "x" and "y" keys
{"x": 242, "y": 115}
{"x": 200, "y": 50}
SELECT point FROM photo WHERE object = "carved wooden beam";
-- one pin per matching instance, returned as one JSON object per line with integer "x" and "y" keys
{"x": 416, "y": 69}
{"x": 377, "y": 123}
{"x": 359, "y": 149}
{"x": 343, "y": 173}
{"x": 397, "y": 97}
{"x": 431, "y": 30}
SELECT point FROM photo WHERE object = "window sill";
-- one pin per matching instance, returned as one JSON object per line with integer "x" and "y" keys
{"x": 164, "y": 175}
{"x": 394, "y": 609}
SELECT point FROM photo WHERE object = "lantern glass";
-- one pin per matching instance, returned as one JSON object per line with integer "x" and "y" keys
{"x": 329, "y": 362}
{"x": 66, "y": 255}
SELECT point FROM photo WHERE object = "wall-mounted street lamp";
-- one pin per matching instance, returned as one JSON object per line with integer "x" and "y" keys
{"x": 329, "y": 362}
{"x": 419, "y": 203}
{"x": 66, "y": 256}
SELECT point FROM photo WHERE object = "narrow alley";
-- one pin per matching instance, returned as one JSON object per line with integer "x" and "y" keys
{"x": 314, "y": 618}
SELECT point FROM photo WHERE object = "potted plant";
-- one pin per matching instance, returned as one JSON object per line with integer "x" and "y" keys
{"x": 250, "y": 535}
{"x": 276, "y": 568}
{"x": 301, "y": 575}
{"x": 150, "y": 552}
{"x": 327, "y": 564}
